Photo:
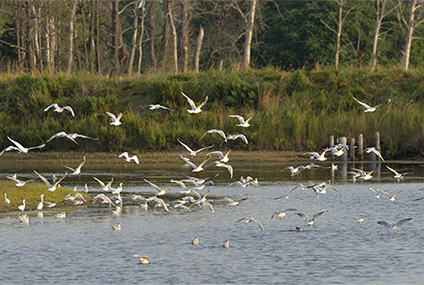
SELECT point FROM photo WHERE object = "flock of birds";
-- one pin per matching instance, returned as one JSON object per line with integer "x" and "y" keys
{"x": 192, "y": 186}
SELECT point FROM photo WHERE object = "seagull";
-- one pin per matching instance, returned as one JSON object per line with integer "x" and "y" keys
{"x": 202, "y": 201}
{"x": 391, "y": 198}
{"x": 60, "y": 215}
{"x": 238, "y": 136}
{"x": 40, "y": 205}
{"x": 192, "y": 152}
{"x": 117, "y": 228}
{"x": 398, "y": 175}
{"x": 21, "y": 148}
{"x": 115, "y": 120}
{"x": 74, "y": 197}
{"x": 49, "y": 204}
{"x": 71, "y": 137}
{"x": 162, "y": 191}
{"x": 195, "y": 109}
{"x": 159, "y": 201}
{"x": 60, "y": 109}
{"x": 215, "y": 131}
{"x": 105, "y": 187}
{"x": 128, "y": 158}
{"x": 377, "y": 195}
{"x": 143, "y": 259}
{"x": 117, "y": 190}
{"x": 368, "y": 108}
{"x": 195, "y": 167}
{"x": 247, "y": 220}
{"x": 51, "y": 188}
{"x": 293, "y": 170}
{"x": 394, "y": 226}
{"x": 222, "y": 158}
{"x": 317, "y": 156}
{"x": 195, "y": 241}
{"x": 243, "y": 123}
{"x": 226, "y": 244}
{"x": 232, "y": 203}
{"x": 282, "y": 214}
{"x": 363, "y": 175}
{"x": 24, "y": 218}
{"x": 22, "y": 207}
{"x": 157, "y": 106}
{"x": 105, "y": 199}
{"x": 19, "y": 183}
{"x": 6, "y": 200}
{"x": 77, "y": 170}
{"x": 359, "y": 220}
{"x": 374, "y": 150}
{"x": 227, "y": 166}
{"x": 312, "y": 221}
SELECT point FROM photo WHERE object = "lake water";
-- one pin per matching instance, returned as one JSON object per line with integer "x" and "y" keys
{"x": 83, "y": 248}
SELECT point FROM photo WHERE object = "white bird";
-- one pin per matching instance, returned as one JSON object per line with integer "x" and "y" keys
{"x": 22, "y": 207}
{"x": 117, "y": 190}
{"x": 129, "y": 158}
{"x": 195, "y": 241}
{"x": 249, "y": 220}
{"x": 238, "y": 136}
{"x": 71, "y": 137}
{"x": 60, "y": 109}
{"x": 363, "y": 175}
{"x": 105, "y": 199}
{"x": 105, "y": 187}
{"x": 368, "y": 108}
{"x": 282, "y": 214}
{"x": 193, "y": 152}
{"x": 143, "y": 259}
{"x": 377, "y": 192}
{"x": 21, "y": 148}
{"x": 115, "y": 119}
{"x": 227, "y": 166}
{"x": 202, "y": 202}
{"x": 374, "y": 150}
{"x": 232, "y": 203}
{"x": 243, "y": 123}
{"x": 117, "y": 228}
{"x": 162, "y": 191}
{"x": 40, "y": 205}
{"x": 195, "y": 167}
{"x": 74, "y": 197}
{"x": 50, "y": 204}
{"x": 6, "y": 200}
{"x": 24, "y": 218}
{"x": 159, "y": 201}
{"x": 60, "y": 215}
{"x": 215, "y": 131}
{"x": 226, "y": 244}
{"x": 391, "y": 198}
{"x": 77, "y": 170}
{"x": 19, "y": 183}
{"x": 53, "y": 187}
{"x": 157, "y": 106}
{"x": 317, "y": 156}
{"x": 398, "y": 175}
{"x": 312, "y": 221}
{"x": 293, "y": 170}
{"x": 222, "y": 158}
{"x": 394, "y": 226}
{"x": 195, "y": 109}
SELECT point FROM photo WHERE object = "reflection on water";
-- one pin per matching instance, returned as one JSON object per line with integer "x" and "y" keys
{"x": 83, "y": 248}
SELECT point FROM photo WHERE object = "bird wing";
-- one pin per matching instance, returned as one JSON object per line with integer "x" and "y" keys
{"x": 17, "y": 144}
{"x": 57, "y": 135}
{"x": 135, "y": 158}
{"x": 154, "y": 185}
{"x": 303, "y": 216}
{"x": 39, "y": 146}
{"x": 275, "y": 214}
{"x": 203, "y": 103}
{"x": 54, "y": 105}
{"x": 186, "y": 146}
{"x": 204, "y": 148}
{"x": 161, "y": 202}
{"x": 119, "y": 117}
{"x": 317, "y": 215}
{"x": 70, "y": 168}
{"x": 392, "y": 170}
{"x": 84, "y": 137}
{"x": 191, "y": 102}
{"x": 100, "y": 182}
{"x": 60, "y": 180}
{"x": 234, "y": 137}
{"x": 203, "y": 162}
{"x": 81, "y": 164}
{"x": 258, "y": 223}
{"x": 111, "y": 115}
{"x": 384, "y": 223}
{"x": 124, "y": 154}
{"x": 43, "y": 179}
{"x": 382, "y": 104}
{"x": 69, "y": 108}
{"x": 229, "y": 167}
{"x": 240, "y": 118}
{"x": 377, "y": 153}
{"x": 401, "y": 222}
{"x": 209, "y": 205}
{"x": 362, "y": 103}
{"x": 218, "y": 153}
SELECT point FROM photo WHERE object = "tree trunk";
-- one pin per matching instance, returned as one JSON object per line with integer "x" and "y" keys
{"x": 37, "y": 38}
{"x": 140, "y": 40}
{"x": 29, "y": 39}
{"x": 97, "y": 32}
{"x": 165, "y": 39}
{"x": 115, "y": 36}
{"x": 174, "y": 35}
{"x": 84, "y": 38}
{"x": 152, "y": 34}
{"x": 71, "y": 37}
{"x": 134, "y": 37}
{"x": 197, "y": 50}
{"x": 408, "y": 39}
{"x": 185, "y": 32}
{"x": 338, "y": 34}
{"x": 249, "y": 33}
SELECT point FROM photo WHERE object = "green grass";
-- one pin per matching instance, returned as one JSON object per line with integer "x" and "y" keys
{"x": 296, "y": 110}
{"x": 31, "y": 192}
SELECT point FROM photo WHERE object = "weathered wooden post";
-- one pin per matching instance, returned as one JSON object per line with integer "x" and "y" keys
{"x": 343, "y": 141}
{"x": 352, "y": 149}
{"x": 377, "y": 141}
{"x": 331, "y": 145}
{"x": 361, "y": 147}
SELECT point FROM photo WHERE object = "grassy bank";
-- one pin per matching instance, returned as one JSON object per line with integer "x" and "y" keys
{"x": 291, "y": 110}
{"x": 31, "y": 192}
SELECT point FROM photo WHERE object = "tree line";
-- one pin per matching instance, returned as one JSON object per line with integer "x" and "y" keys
{"x": 120, "y": 37}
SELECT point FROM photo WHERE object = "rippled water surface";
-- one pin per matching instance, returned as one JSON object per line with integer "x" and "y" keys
{"x": 83, "y": 248}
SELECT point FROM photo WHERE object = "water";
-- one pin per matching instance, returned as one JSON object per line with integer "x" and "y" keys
{"x": 83, "y": 248}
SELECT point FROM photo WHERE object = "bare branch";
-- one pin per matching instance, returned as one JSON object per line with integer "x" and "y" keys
{"x": 330, "y": 28}
{"x": 126, "y": 6}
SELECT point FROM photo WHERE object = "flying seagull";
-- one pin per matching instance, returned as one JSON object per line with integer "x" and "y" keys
{"x": 60, "y": 109}
{"x": 368, "y": 108}
{"x": 115, "y": 119}
{"x": 195, "y": 109}
{"x": 394, "y": 226}
{"x": 242, "y": 122}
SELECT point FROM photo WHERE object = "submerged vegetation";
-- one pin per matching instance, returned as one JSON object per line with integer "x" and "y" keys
{"x": 295, "y": 110}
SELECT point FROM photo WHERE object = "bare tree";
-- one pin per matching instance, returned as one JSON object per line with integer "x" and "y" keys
{"x": 152, "y": 33}
{"x": 140, "y": 40}
{"x": 134, "y": 37}
{"x": 185, "y": 33}
{"x": 249, "y": 33}
{"x": 115, "y": 35}
{"x": 415, "y": 18}
{"x": 174, "y": 35}
{"x": 197, "y": 50}
{"x": 71, "y": 36}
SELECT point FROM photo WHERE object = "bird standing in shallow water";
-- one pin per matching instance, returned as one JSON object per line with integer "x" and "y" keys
{"x": 143, "y": 259}
{"x": 195, "y": 241}
{"x": 226, "y": 244}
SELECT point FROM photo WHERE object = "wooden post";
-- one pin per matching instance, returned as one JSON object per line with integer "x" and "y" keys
{"x": 352, "y": 149}
{"x": 343, "y": 141}
{"x": 377, "y": 141}
{"x": 361, "y": 147}
{"x": 331, "y": 145}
